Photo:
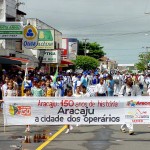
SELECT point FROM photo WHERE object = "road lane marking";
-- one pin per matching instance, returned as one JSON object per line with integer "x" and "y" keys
{"x": 52, "y": 138}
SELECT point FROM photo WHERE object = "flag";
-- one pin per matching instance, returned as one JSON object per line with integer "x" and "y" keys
{"x": 26, "y": 73}
{"x": 55, "y": 76}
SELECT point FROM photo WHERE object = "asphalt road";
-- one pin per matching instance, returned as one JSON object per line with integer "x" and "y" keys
{"x": 80, "y": 138}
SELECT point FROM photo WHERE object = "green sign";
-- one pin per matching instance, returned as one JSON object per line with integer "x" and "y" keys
{"x": 45, "y": 39}
{"x": 11, "y": 30}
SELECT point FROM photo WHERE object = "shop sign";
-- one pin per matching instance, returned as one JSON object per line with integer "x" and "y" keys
{"x": 52, "y": 56}
{"x": 11, "y": 30}
{"x": 30, "y": 37}
{"x": 45, "y": 39}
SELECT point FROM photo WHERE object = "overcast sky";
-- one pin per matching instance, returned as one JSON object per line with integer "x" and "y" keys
{"x": 121, "y": 26}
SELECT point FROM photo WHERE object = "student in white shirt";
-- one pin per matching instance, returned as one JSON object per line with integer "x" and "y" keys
{"x": 69, "y": 93}
{"x": 101, "y": 88}
{"x": 4, "y": 86}
{"x": 10, "y": 90}
{"x": 129, "y": 90}
{"x": 84, "y": 92}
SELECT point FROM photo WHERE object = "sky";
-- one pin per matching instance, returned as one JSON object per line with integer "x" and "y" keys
{"x": 122, "y": 27}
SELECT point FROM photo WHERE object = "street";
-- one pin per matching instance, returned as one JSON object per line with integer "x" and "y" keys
{"x": 80, "y": 138}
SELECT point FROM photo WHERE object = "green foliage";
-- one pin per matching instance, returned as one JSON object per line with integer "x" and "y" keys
{"x": 95, "y": 50}
{"x": 86, "y": 62}
{"x": 143, "y": 61}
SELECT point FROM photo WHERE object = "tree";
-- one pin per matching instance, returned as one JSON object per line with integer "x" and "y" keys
{"x": 95, "y": 50}
{"x": 86, "y": 62}
{"x": 144, "y": 59}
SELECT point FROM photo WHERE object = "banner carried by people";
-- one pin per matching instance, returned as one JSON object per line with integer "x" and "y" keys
{"x": 70, "y": 110}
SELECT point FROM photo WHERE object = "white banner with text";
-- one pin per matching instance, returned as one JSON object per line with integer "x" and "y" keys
{"x": 70, "y": 110}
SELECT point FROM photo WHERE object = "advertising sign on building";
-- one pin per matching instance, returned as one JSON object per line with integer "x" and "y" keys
{"x": 11, "y": 30}
{"x": 45, "y": 39}
{"x": 30, "y": 37}
{"x": 64, "y": 51}
{"x": 72, "y": 48}
{"x": 53, "y": 56}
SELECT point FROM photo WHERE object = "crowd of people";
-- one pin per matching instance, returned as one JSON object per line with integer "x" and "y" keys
{"x": 74, "y": 84}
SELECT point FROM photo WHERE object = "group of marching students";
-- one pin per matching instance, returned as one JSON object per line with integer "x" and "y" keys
{"x": 76, "y": 85}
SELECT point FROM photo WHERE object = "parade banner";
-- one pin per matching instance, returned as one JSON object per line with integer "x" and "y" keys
{"x": 70, "y": 110}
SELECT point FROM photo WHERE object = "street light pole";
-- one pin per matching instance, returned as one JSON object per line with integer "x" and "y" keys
{"x": 85, "y": 46}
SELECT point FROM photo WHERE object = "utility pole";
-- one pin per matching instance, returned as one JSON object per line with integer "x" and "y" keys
{"x": 85, "y": 46}
{"x": 18, "y": 3}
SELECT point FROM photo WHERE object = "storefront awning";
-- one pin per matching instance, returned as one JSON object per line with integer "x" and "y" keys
{"x": 22, "y": 60}
{"x": 4, "y": 60}
{"x": 67, "y": 62}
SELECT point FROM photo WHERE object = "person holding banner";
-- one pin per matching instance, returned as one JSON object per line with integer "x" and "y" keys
{"x": 78, "y": 90}
{"x": 11, "y": 91}
{"x": 27, "y": 92}
{"x": 4, "y": 86}
{"x": 129, "y": 90}
{"x": 37, "y": 91}
{"x": 49, "y": 90}
{"x": 84, "y": 91}
{"x": 69, "y": 93}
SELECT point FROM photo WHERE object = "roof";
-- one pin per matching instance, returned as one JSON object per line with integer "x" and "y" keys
{"x": 67, "y": 62}
{"x": 19, "y": 12}
{"x": 104, "y": 58}
{"x": 22, "y": 60}
{"x": 8, "y": 61}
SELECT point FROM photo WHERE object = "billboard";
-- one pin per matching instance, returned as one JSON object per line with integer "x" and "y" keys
{"x": 72, "y": 48}
{"x": 45, "y": 39}
{"x": 11, "y": 30}
{"x": 64, "y": 51}
{"x": 52, "y": 56}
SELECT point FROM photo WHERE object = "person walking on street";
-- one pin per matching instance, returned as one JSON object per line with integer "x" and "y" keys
{"x": 129, "y": 90}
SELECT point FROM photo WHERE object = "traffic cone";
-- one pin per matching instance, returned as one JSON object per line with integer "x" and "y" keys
{"x": 35, "y": 138}
{"x": 44, "y": 136}
{"x": 39, "y": 138}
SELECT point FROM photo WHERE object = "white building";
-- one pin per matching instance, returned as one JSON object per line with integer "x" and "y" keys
{"x": 9, "y": 12}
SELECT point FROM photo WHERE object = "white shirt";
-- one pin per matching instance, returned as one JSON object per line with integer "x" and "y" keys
{"x": 129, "y": 91}
{"x": 148, "y": 91}
{"x": 147, "y": 80}
{"x": 10, "y": 93}
{"x": 77, "y": 95}
{"x": 101, "y": 88}
{"x": 4, "y": 88}
{"x": 141, "y": 79}
{"x": 85, "y": 94}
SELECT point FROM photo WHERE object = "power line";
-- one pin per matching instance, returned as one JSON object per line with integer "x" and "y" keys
{"x": 110, "y": 34}
{"x": 101, "y": 24}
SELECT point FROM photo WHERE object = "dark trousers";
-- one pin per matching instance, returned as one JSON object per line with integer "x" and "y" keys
{"x": 101, "y": 94}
